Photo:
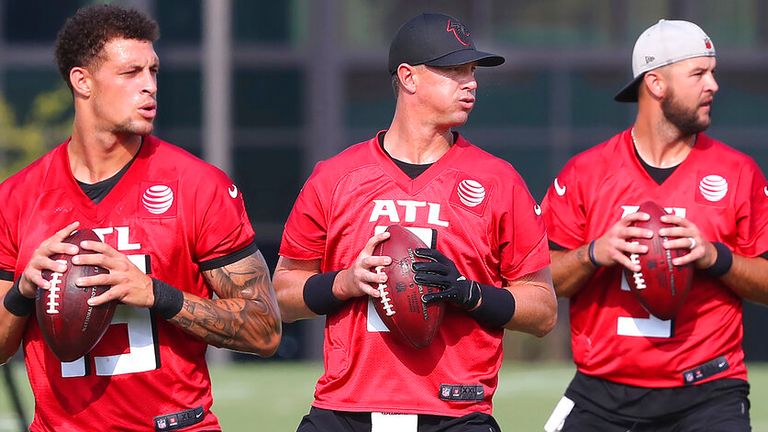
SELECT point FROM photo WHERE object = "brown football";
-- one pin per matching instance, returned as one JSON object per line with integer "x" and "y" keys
{"x": 70, "y": 326}
{"x": 659, "y": 285}
{"x": 400, "y": 307}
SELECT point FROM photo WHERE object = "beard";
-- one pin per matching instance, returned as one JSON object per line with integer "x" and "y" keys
{"x": 685, "y": 119}
{"x": 133, "y": 127}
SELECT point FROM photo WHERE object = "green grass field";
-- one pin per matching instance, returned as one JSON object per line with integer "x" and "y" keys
{"x": 272, "y": 397}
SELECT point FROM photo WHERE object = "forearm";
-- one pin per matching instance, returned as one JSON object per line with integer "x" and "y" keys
{"x": 245, "y": 317}
{"x": 748, "y": 277}
{"x": 304, "y": 292}
{"x": 248, "y": 325}
{"x": 571, "y": 270}
{"x": 11, "y": 327}
{"x": 289, "y": 286}
{"x": 535, "y": 304}
{"x": 11, "y": 332}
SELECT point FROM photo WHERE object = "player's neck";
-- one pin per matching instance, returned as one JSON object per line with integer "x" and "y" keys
{"x": 97, "y": 156}
{"x": 417, "y": 144}
{"x": 659, "y": 147}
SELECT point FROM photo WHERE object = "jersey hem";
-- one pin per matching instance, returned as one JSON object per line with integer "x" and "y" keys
{"x": 665, "y": 382}
{"x": 399, "y": 410}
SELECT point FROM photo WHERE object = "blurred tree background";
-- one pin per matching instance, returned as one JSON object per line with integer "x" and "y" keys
{"x": 24, "y": 140}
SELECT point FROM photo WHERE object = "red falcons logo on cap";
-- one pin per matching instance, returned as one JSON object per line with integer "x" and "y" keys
{"x": 708, "y": 43}
{"x": 459, "y": 31}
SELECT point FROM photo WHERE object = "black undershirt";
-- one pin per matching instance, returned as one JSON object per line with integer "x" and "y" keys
{"x": 99, "y": 190}
{"x": 411, "y": 170}
{"x": 659, "y": 175}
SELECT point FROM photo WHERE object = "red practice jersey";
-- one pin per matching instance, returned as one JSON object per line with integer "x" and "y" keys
{"x": 613, "y": 337}
{"x": 471, "y": 206}
{"x": 170, "y": 214}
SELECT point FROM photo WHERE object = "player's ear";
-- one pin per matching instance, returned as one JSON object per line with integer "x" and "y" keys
{"x": 407, "y": 75}
{"x": 655, "y": 83}
{"x": 80, "y": 79}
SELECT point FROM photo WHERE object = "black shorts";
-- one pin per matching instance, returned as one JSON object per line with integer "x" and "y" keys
{"x": 322, "y": 420}
{"x": 716, "y": 406}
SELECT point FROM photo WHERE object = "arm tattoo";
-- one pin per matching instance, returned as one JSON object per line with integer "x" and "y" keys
{"x": 245, "y": 317}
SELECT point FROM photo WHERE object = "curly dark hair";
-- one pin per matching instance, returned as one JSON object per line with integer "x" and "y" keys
{"x": 83, "y": 36}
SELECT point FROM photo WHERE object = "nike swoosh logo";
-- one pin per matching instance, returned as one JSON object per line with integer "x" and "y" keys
{"x": 559, "y": 189}
{"x": 232, "y": 191}
{"x": 537, "y": 210}
{"x": 198, "y": 414}
{"x": 765, "y": 190}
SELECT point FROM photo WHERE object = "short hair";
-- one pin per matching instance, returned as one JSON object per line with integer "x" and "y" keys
{"x": 396, "y": 85}
{"x": 83, "y": 36}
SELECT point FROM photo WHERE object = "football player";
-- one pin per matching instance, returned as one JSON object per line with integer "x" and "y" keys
{"x": 175, "y": 232}
{"x": 635, "y": 371}
{"x": 489, "y": 256}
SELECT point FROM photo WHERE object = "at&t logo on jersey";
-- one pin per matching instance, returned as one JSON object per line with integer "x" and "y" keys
{"x": 712, "y": 189}
{"x": 470, "y": 194}
{"x": 157, "y": 200}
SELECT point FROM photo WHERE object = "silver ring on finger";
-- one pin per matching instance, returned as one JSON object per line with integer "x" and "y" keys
{"x": 693, "y": 242}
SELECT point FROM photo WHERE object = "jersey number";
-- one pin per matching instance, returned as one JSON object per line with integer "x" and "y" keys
{"x": 141, "y": 355}
{"x": 642, "y": 327}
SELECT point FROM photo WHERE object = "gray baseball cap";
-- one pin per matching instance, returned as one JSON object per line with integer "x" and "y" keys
{"x": 664, "y": 43}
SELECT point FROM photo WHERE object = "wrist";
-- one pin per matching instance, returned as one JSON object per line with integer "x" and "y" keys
{"x": 17, "y": 303}
{"x": 31, "y": 292}
{"x": 591, "y": 254}
{"x": 338, "y": 281}
{"x": 168, "y": 299}
{"x": 722, "y": 263}
{"x": 495, "y": 308}
{"x": 319, "y": 294}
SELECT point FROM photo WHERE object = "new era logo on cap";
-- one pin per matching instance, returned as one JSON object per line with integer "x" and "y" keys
{"x": 664, "y": 43}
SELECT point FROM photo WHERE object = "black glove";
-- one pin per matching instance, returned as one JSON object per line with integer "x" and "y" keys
{"x": 442, "y": 273}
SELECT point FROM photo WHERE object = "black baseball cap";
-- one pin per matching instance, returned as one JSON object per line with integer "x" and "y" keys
{"x": 436, "y": 40}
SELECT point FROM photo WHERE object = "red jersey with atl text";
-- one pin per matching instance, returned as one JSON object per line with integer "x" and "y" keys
{"x": 724, "y": 193}
{"x": 471, "y": 206}
{"x": 170, "y": 213}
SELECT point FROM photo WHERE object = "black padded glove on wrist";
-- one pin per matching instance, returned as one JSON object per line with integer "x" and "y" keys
{"x": 442, "y": 273}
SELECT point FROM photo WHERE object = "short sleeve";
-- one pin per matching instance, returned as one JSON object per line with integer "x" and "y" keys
{"x": 222, "y": 226}
{"x": 8, "y": 248}
{"x": 564, "y": 209}
{"x": 524, "y": 246}
{"x": 306, "y": 229}
{"x": 752, "y": 212}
